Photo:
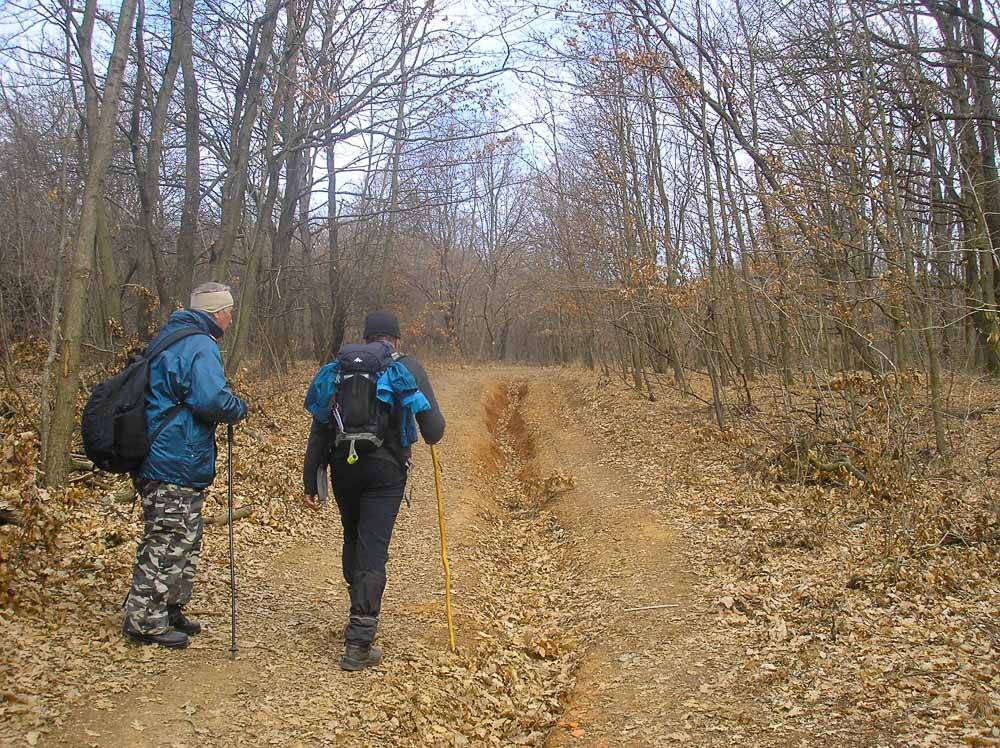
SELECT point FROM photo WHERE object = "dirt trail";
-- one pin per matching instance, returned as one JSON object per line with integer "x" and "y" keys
{"x": 285, "y": 686}
{"x": 569, "y": 502}
{"x": 637, "y": 675}
{"x": 544, "y": 566}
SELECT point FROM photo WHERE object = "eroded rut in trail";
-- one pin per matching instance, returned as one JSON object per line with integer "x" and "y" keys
{"x": 544, "y": 606}
{"x": 636, "y": 643}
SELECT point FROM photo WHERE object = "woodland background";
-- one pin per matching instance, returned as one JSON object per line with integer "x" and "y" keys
{"x": 757, "y": 238}
{"x": 796, "y": 202}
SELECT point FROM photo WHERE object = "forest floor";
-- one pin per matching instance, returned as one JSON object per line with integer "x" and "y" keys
{"x": 620, "y": 577}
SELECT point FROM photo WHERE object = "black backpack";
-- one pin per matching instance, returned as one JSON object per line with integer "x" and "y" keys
{"x": 115, "y": 436}
{"x": 362, "y": 419}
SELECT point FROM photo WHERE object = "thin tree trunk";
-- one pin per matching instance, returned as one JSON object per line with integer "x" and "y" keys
{"x": 44, "y": 409}
{"x": 110, "y": 284}
{"x": 338, "y": 282}
{"x": 264, "y": 226}
{"x": 235, "y": 184}
{"x": 67, "y": 386}
{"x": 184, "y": 274}
{"x": 147, "y": 163}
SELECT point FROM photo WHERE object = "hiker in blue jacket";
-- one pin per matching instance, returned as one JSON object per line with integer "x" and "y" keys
{"x": 366, "y": 405}
{"x": 187, "y": 396}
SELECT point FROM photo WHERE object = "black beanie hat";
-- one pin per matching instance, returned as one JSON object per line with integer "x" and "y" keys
{"x": 381, "y": 323}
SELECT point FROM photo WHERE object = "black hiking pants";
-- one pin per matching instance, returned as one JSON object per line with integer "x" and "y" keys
{"x": 368, "y": 495}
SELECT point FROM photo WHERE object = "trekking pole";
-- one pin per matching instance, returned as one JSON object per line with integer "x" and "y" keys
{"x": 444, "y": 549}
{"x": 232, "y": 546}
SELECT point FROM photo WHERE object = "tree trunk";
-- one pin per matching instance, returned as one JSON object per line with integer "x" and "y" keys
{"x": 184, "y": 273}
{"x": 147, "y": 161}
{"x": 338, "y": 282}
{"x": 110, "y": 285}
{"x": 235, "y": 185}
{"x": 67, "y": 386}
{"x": 263, "y": 229}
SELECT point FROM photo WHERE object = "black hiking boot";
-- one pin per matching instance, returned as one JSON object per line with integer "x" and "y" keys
{"x": 360, "y": 656}
{"x": 171, "y": 638}
{"x": 179, "y": 621}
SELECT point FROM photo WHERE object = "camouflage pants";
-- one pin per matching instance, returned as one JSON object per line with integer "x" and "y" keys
{"x": 167, "y": 556}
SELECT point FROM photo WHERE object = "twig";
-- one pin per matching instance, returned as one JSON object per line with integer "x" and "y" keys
{"x": 11, "y": 517}
{"x": 189, "y": 721}
{"x": 831, "y": 467}
{"x": 754, "y": 510}
{"x": 79, "y": 462}
{"x": 222, "y": 518}
{"x": 123, "y": 496}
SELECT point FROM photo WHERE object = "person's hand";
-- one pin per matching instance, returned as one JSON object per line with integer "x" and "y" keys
{"x": 312, "y": 502}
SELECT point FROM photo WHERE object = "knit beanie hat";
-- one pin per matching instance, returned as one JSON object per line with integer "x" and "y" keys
{"x": 211, "y": 298}
{"x": 381, "y": 323}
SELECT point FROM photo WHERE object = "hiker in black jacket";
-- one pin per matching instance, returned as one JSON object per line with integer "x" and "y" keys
{"x": 368, "y": 463}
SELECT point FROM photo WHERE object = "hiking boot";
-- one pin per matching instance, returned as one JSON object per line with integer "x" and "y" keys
{"x": 179, "y": 621}
{"x": 360, "y": 656}
{"x": 171, "y": 638}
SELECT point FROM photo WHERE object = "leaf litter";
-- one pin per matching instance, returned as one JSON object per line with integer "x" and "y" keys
{"x": 823, "y": 632}
{"x": 849, "y": 613}
{"x": 520, "y": 608}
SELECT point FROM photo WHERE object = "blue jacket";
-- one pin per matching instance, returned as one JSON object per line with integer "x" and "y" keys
{"x": 189, "y": 371}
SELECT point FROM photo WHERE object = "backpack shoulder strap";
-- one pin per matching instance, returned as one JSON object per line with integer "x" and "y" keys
{"x": 172, "y": 338}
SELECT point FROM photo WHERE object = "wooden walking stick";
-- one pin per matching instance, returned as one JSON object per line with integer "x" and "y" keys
{"x": 444, "y": 549}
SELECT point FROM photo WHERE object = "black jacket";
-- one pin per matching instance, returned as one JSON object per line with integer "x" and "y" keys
{"x": 321, "y": 435}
